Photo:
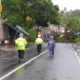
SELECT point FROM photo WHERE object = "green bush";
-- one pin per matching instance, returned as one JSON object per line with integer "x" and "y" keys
{"x": 32, "y": 35}
{"x": 77, "y": 40}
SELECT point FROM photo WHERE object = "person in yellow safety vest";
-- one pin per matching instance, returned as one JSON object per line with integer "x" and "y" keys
{"x": 38, "y": 42}
{"x": 21, "y": 44}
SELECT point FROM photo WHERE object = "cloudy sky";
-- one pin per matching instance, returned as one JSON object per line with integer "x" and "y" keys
{"x": 69, "y": 4}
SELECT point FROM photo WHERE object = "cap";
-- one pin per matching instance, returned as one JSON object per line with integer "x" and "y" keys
{"x": 51, "y": 37}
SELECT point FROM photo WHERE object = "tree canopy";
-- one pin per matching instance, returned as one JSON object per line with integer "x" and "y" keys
{"x": 26, "y": 13}
{"x": 71, "y": 19}
{"x": 74, "y": 24}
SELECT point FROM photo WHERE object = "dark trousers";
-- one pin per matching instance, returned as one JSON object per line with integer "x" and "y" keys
{"x": 39, "y": 48}
{"x": 21, "y": 54}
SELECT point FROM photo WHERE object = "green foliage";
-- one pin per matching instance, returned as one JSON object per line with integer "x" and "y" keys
{"x": 74, "y": 24}
{"x": 71, "y": 14}
{"x": 71, "y": 38}
{"x": 58, "y": 38}
{"x": 71, "y": 19}
{"x": 77, "y": 40}
{"x": 32, "y": 35}
{"x": 39, "y": 11}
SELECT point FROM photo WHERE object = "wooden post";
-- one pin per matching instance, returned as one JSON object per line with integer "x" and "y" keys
{"x": 1, "y": 27}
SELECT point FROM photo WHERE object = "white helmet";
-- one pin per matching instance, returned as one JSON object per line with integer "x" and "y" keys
{"x": 51, "y": 37}
{"x": 39, "y": 36}
{"x": 21, "y": 35}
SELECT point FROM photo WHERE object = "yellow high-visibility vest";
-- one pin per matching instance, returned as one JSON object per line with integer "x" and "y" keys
{"x": 38, "y": 41}
{"x": 21, "y": 43}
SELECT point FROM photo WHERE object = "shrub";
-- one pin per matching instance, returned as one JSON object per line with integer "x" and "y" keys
{"x": 32, "y": 35}
{"x": 77, "y": 40}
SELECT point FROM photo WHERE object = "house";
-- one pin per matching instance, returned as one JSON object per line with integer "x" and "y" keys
{"x": 57, "y": 29}
{"x": 9, "y": 33}
{"x": 61, "y": 29}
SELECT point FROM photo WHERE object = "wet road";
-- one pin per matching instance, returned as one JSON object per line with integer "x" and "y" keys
{"x": 63, "y": 66}
{"x": 11, "y": 61}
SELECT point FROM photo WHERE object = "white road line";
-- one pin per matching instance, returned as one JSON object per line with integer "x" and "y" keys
{"x": 76, "y": 55}
{"x": 3, "y": 77}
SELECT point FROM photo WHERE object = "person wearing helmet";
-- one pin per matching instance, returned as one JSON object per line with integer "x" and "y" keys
{"x": 51, "y": 45}
{"x": 38, "y": 42}
{"x": 21, "y": 44}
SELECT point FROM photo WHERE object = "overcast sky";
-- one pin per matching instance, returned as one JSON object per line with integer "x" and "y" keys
{"x": 69, "y": 4}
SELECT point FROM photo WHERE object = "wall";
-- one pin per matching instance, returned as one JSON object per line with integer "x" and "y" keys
{"x": 1, "y": 32}
{"x": 6, "y": 32}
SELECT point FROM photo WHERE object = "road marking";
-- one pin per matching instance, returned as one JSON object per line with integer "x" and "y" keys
{"x": 3, "y": 77}
{"x": 76, "y": 55}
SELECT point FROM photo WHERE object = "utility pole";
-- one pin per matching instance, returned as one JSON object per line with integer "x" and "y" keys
{"x": 79, "y": 27}
{"x": 0, "y": 21}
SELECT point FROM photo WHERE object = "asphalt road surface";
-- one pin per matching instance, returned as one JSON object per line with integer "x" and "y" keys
{"x": 65, "y": 65}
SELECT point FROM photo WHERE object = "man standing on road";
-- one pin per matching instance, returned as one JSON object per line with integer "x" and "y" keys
{"x": 39, "y": 42}
{"x": 21, "y": 44}
{"x": 51, "y": 45}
